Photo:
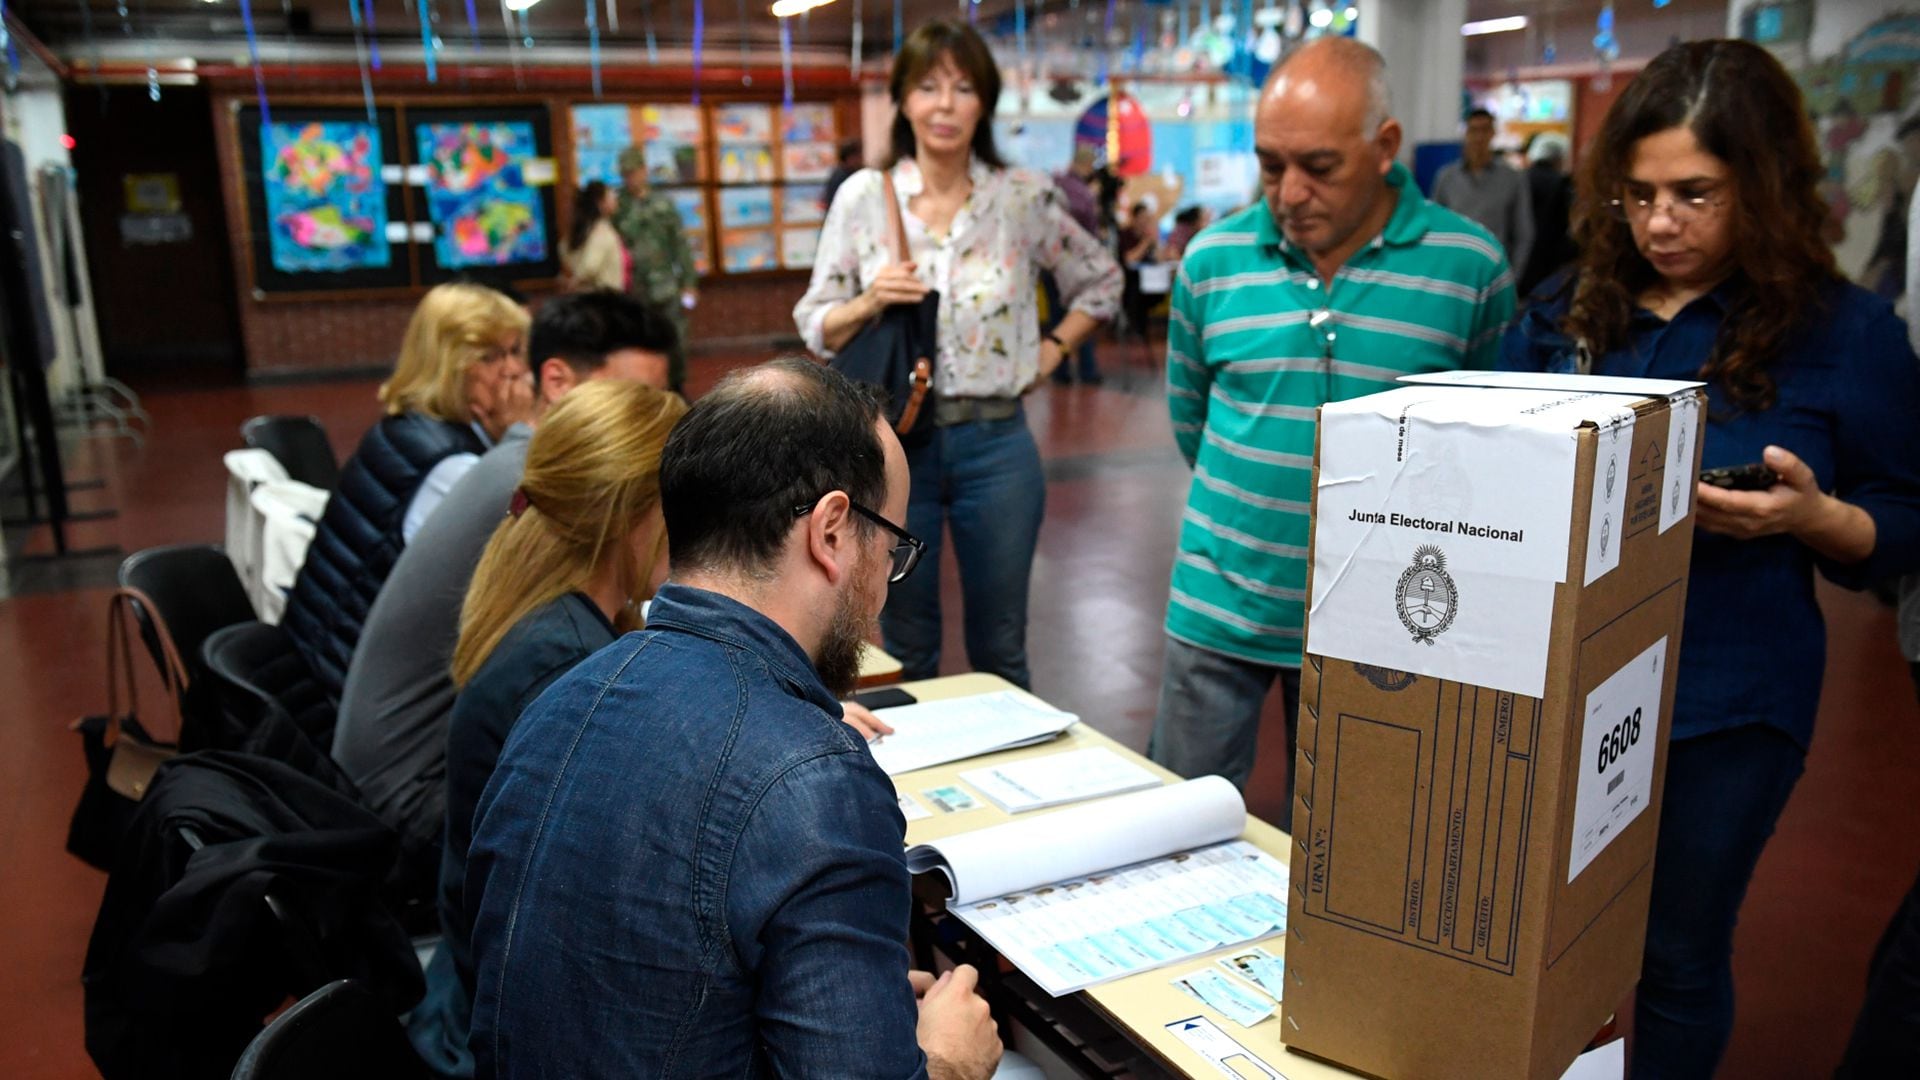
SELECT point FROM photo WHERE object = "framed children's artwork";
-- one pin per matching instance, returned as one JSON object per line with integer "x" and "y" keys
{"x": 486, "y": 176}
{"x": 324, "y": 199}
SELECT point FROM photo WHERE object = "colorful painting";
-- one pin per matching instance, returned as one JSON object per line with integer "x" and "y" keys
{"x": 801, "y": 204}
{"x": 743, "y": 123}
{"x": 746, "y": 207}
{"x": 692, "y": 207}
{"x": 797, "y": 248}
{"x": 808, "y": 161}
{"x": 807, "y": 123}
{"x": 745, "y": 164}
{"x": 748, "y": 250}
{"x": 600, "y": 133}
{"x": 485, "y": 210}
{"x": 670, "y": 123}
{"x": 326, "y": 201}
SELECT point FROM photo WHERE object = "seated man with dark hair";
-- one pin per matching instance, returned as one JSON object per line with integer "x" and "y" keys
{"x": 685, "y": 863}
{"x": 391, "y": 737}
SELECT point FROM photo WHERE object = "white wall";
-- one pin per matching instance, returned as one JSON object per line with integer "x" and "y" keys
{"x": 1422, "y": 45}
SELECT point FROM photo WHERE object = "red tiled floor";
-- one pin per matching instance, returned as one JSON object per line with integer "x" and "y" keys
{"x": 1845, "y": 852}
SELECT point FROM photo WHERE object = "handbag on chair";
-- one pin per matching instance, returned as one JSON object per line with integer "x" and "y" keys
{"x": 121, "y": 753}
{"x": 896, "y": 350}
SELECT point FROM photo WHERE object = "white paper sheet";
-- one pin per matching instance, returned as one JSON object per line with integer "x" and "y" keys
{"x": 1609, "y": 1062}
{"x": 1607, "y": 514}
{"x": 1619, "y": 731}
{"x": 1205, "y": 1038}
{"x": 1082, "y": 840}
{"x": 935, "y": 732}
{"x": 1075, "y": 776}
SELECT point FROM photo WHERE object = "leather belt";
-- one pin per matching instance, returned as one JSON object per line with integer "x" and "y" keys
{"x": 948, "y": 411}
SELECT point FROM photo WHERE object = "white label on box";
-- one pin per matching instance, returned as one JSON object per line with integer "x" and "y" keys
{"x": 1612, "y": 459}
{"x": 1621, "y": 728}
{"x": 1221, "y": 1051}
{"x": 1441, "y": 528}
{"x": 1676, "y": 501}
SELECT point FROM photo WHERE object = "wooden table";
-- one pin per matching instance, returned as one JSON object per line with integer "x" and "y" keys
{"x": 877, "y": 666}
{"x": 1139, "y": 1006}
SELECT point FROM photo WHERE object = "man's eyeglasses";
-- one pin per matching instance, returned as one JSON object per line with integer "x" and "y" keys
{"x": 1683, "y": 209}
{"x": 906, "y": 554}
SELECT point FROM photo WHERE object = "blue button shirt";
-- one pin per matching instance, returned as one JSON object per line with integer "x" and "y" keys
{"x": 687, "y": 865}
{"x": 1754, "y": 644}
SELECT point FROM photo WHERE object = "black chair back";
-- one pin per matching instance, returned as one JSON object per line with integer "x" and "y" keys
{"x": 299, "y": 443}
{"x": 270, "y": 702}
{"x": 339, "y": 1030}
{"x": 196, "y": 591}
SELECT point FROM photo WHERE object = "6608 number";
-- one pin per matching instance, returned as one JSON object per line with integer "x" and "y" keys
{"x": 1619, "y": 740}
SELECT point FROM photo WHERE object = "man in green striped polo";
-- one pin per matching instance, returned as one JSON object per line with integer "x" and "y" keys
{"x": 1341, "y": 279}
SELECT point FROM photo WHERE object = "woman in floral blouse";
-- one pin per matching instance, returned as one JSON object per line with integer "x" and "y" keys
{"x": 978, "y": 232}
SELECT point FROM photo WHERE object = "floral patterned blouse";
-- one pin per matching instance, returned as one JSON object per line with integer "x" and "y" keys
{"x": 1013, "y": 223}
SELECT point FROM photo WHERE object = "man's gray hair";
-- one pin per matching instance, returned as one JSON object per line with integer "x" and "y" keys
{"x": 1357, "y": 55}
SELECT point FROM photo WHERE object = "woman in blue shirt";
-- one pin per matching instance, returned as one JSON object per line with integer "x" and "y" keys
{"x": 1703, "y": 259}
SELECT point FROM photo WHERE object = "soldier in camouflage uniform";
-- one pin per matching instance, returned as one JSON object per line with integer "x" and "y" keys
{"x": 663, "y": 273}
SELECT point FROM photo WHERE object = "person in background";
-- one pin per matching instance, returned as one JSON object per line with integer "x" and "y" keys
{"x": 663, "y": 268}
{"x": 595, "y": 256}
{"x": 1341, "y": 279}
{"x": 1084, "y": 208}
{"x": 685, "y": 864}
{"x": 1139, "y": 244}
{"x": 1186, "y": 225}
{"x": 1550, "y": 190}
{"x": 562, "y": 576}
{"x": 460, "y": 383}
{"x": 851, "y": 160}
{"x": 977, "y": 231}
{"x": 1702, "y": 258}
{"x": 391, "y": 736}
{"x": 1886, "y": 1033}
{"x": 1489, "y": 191}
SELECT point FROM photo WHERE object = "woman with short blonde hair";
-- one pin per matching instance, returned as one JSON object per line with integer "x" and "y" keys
{"x": 460, "y": 382}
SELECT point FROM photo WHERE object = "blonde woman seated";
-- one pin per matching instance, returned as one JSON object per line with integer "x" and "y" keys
{"x": 581, "y": 547}
{"x": 460, "y": 382}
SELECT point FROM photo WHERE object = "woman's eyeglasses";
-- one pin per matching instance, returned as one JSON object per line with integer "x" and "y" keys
{"x": 1682, "y": 209}
{"x": 906, "y": 553}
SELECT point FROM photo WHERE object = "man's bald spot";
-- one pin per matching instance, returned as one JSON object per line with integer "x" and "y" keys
{"x": 1338, "y": 67}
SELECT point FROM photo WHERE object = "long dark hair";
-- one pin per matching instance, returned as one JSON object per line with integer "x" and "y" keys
{"x": 586, "y": 212}
{"x": 918, "y": 55}
{"x": 1742, "y": 108}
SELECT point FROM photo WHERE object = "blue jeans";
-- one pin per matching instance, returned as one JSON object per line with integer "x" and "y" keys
{"x": 1725, "y": 791}
{"x": 1209, "y": 716}
{"x": 983, "y": 481}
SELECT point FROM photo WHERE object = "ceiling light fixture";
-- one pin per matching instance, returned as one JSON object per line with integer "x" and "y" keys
{"x": 520, "y": 5}
{"x": 786, "y": 9}
{"x": 1493, "y": 26}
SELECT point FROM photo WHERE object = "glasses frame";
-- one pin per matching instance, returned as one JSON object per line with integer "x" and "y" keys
{"x": 913, "y": 547}
{"x": 1682, "y": 211}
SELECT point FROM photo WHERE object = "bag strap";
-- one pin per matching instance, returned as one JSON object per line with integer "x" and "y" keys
{"x": 120, "y": 668}
{"x": 897, "y": 228}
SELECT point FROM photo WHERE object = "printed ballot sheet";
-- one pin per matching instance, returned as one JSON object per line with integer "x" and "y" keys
{"x": 936, "y": 732}
{"x": 1095, "y": 892}
{"x": 1057, "y": 779}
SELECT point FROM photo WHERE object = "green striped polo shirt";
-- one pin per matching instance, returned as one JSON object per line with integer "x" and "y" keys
{"x": 1257, "y": 342}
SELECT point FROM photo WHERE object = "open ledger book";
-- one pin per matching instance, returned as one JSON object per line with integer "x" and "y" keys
{"x": 1080, "y": 896}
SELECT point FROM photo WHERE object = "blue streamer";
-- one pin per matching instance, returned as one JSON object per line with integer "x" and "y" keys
{"x": 1020, "y": 26}
{"x": 897, "y": 35}
{"x": 786, "y": 62}
{"x": 473, "y": 24}
{"x": 373, "y": 35}
{"x": 253, "y": 52}
{"x": 360, "y": 54}
{"x": 593, "y": 47}
{"x": 646, "y": 13}
{"x": 699, "y": 40}
{"x": 426, "y": 42}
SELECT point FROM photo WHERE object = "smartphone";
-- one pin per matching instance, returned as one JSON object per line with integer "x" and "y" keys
{"x": 1754, "y": 477}
{"x": 886, "y": 697}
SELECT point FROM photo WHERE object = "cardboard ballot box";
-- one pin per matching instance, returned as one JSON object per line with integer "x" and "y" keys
{"x": 1498, "y": 578}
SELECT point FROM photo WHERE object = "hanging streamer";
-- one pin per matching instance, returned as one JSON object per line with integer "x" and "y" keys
{"x": 786, "y": 64}
{"x": 360, "y": 55}
{"x": 426, "y": 42}
{"x": 613, "y": 17}
{"x": 593, "y": 48}
{"x": 286, "y": 21}
{"x": 253, "y": 53}
{"x": 513, "y": 44}
{"x": 473, "y": 23}
{"x": 373, "y": 35}
{"x": 699, "y": 39}
{"x": 746, "y": 47}
{"x": 897, "y": 36}
{"x": 646, "y": 16}
{"x": 854, "y": 63}
{"x": 153, "y": 56}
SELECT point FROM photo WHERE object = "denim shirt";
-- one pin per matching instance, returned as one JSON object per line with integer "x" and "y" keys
{"x": 686, "y": 865}
{"x": 1753, "y": 648}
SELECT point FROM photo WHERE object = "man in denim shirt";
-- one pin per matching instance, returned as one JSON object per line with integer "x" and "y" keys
{"x": 685, "y": 863}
